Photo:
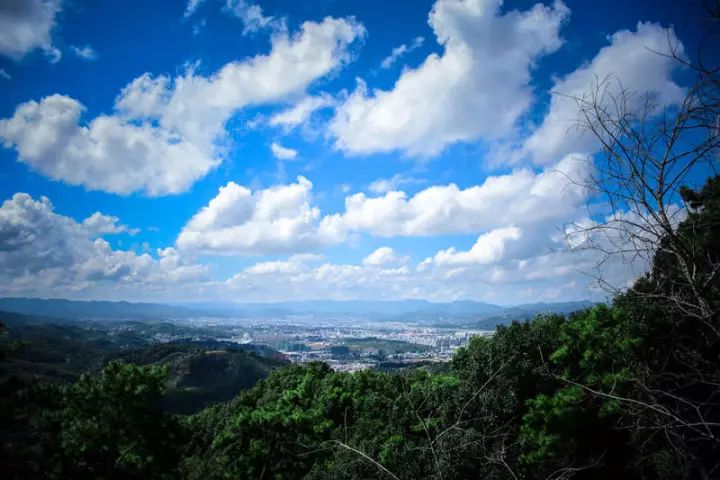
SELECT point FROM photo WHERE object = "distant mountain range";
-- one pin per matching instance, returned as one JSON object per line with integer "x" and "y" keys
{"x": 351, "y": 307}
{"x": 419, "y": 310}
{"x": 73, "y": 309}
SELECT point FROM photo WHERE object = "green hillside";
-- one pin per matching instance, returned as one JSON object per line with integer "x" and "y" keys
{"x": 200, "y": 373}
{"x": 200, "y": 376}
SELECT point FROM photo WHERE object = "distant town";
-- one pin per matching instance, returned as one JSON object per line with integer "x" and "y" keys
{"x": 346, "y": 344}
{"x": 347, "y": 335}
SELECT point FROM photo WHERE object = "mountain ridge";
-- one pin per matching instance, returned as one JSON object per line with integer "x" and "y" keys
{"x": 101, "y": 309}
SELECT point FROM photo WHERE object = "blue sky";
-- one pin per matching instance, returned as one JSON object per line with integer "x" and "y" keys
{"x": 288, "y": 150}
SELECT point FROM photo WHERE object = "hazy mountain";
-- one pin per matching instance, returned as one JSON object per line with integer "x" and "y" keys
{"x": 542, "y": 307}
{"x": 61, "y": 308}
{"x": 420, "y": 310}
{"x": 353, "y": 307}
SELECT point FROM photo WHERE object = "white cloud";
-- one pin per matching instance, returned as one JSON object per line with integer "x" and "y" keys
{"x": 541, "y": 276}
{"x": 282, "y": 219}
{"x": 398, "y": 52}
{"x": 44, "y": 252}
{"x": 283, "y": 153}
{"x": 636, "y": 60}
{"x": 541, "y": 264}
{"x": 523, "y": 255}
{"x": 100, "y": 224}
{"x": 250, "y": 14}
{"x": 167, "y": 133}
{"x": 384, "y": 185}
{"x": 274, "y": 268}
{"x": 521, "y": 198}
{"x": 517, "y": 216}
{"x": 477, "y": 87}
{"x": 489, "y": 248}
{"x": 301, "y": 111}
{"x": 252, "y": 17}
{"x": 197, "y": 107}
{"x": 86, "y": 52}
{"x": 108, "y": 154}
{"x": 299, "y": 278}
{"x": 26, "y": 25}
{"x": 279, "y": 219}
{"x": 383, "y": 256}
{"x": 519, "y": 255}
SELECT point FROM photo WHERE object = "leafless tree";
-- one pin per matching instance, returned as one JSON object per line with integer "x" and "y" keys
{"x": 650, "y": 154}
{"x": 653, "y": 158}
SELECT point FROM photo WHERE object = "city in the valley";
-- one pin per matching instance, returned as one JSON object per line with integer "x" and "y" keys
{"x": 346, "y": 344}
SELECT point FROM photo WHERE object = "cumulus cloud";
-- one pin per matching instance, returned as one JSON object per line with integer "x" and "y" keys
{"x": 279, "y": 219}
{"x": 42, "y": 251}
{"x": 282, "y": 219}
{"x": 100, "y": 224}
{"x": 520, "y": 198}
{"x": 383, "y": 256}
{"x": 489, "y": 248}
{"x": 45, "y": 253}
{"x": 282, "y": 153}
{"x": 638, "y": 61}
{"x": 26, "y": 25}
{"x": 477, "y": 87}
{"x": 301, "y": 111}
{"x": 523, "y": 255}
{"x": 384, "y": 185}
{"x": 107, "y": 154}
{"x": 301, "y": 278}
{"x": 542, "y": 263}
{"x": 398, "y": 52}
{"x": 505, "y": 265}
{"x": 167, "y": 132}
{"x": 549, "y": 276}
{"x": 197, "y": 107}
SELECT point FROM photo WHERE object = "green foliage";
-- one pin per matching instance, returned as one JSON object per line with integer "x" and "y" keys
{"x": 109, "y": 426}
{"x": 199, "y": 377}
{"x": 112, "y": 425}
{"x": 573, "y": 425}
{"x": 290, "y": 424}
{"x": 598, "y": 346}
{"x": 551, "y": 424}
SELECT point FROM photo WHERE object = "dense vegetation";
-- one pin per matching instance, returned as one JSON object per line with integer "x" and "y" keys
{"x": 626, "y": 390}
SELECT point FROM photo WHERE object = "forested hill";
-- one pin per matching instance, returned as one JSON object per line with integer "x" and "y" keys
{"x": 198, "y": 373}
{"x": 201, "y": 376}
